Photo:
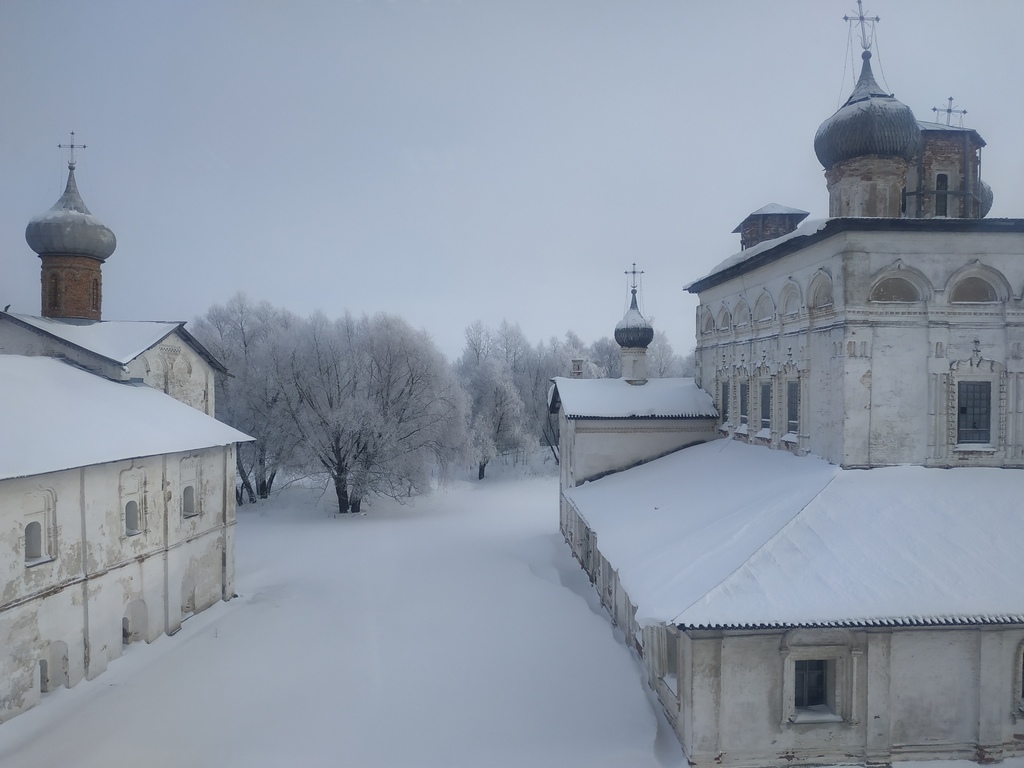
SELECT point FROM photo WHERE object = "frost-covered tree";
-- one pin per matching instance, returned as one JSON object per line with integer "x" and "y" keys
{"x": 498, "y": 415}
{"x": 605, "y": 355}
{"x": 662, "y": 361}
{"x": 376, "y": 404}
{"x": 244, "y": 336}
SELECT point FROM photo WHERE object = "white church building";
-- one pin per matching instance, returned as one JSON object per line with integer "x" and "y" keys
{"x": 833, "y": 574}
{"x": 117, "y": 485}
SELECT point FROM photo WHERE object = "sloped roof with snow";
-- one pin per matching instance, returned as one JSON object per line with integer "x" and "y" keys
{"x": 118, "y": 340}
{"x": 617, "y": 399}
{"x": 730, "y": 535}
{"x": 56, "y": 416}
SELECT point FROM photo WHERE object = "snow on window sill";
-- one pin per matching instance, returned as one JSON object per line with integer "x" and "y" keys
{"x": 764, "y": 434}
{"x": 790, "y": 437}
{"x": 741, "y": 429}
{"x": 975, "y": 447}
{"x": 816, "y": 714}
{"x": 39, "y": 561}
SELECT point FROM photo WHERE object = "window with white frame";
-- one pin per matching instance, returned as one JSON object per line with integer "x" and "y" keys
{"x": 189, "y": 479}
{"x": 39, "y": 535}
{"x": 133, "y": 503}
{"x": 819, "y": 667}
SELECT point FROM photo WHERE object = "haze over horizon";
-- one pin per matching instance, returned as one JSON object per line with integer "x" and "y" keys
{"x": 450, "y": 161}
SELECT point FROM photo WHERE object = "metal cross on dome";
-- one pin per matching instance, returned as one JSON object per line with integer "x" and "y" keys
{"x": 72, "y": 146}
{"x": 634, "y": 272}
{"x": 864, "y": 21}
{"x": 950, "y": 110}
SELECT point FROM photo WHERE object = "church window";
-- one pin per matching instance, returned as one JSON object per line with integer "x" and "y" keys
{"x": 941, "y": 198}
{"x": 744, "y": 402}
{"x": 188, "y": 501}
{"x": 709, "y": 323}
{"x": 33, "y": 542}
{"x": 724, "y": 408}
{"x": 189, "y": 479}
{"x": 131, "y": 518}
{"x": 810, "y": 678}
{"x": 974, "y": 412}
{"x": 974, "y": 290}
{"x": 895, "y": 289}
{"x": 792, "y": 407}
{"x": 40, "y": 535}
{"x": 766, "y": 406}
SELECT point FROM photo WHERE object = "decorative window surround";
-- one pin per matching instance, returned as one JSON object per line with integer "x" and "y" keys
{"x": 837, "y": 649}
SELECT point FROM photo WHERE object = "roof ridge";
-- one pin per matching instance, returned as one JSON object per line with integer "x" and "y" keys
{"x": 789, "y": 523}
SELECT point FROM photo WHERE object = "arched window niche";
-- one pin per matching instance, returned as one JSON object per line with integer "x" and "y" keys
{"x": 895, "y": 289}
{"x": 764, "y": 309}
{"x": 820, "y": 292}
{"x": 741, "y": 317}
{"x": 724, "y": 319}
{"x": 973, "y": 290}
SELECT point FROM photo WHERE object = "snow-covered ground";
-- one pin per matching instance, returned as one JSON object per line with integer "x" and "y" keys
{"x": 456, "y": 631}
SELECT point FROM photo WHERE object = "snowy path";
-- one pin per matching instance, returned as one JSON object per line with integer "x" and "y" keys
{"x": 457, "y": 632}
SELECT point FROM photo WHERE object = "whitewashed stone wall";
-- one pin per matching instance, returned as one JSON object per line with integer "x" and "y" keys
{"x": 176, "y": 369}
{"x": 591, "y": 448}
{"x": 96, "y": 587}
{"x": 877, "y": 378}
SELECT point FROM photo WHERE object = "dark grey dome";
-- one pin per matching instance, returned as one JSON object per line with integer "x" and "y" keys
{"x": 871, "y": 122}
{"x": 633, "y": 331}
{"x": 68, "y": 229}
{"x": 987, "y": 198}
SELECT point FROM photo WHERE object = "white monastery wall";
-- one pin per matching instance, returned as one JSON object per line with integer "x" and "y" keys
{"x": 97, "y": 584}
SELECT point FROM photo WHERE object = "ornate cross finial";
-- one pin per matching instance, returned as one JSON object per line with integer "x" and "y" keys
{"x": 634, "y": 272}
{"x": 950, "y": 110}
{"x": 72, "y": 146}
{"x": 864, "y": 21}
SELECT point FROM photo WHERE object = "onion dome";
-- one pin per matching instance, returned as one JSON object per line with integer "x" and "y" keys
{"x": 871, "y": 122}
{"x": 633, "y": 331}
{"x": 69, "y": 229}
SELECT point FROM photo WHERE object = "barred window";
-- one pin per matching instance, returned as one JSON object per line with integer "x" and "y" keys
{"x": 793, "y": 407}
{"x": 974, "y": 412}
{"x": 766, "y": 406}
{"x": 744, "y": 402}
{"x": 725, "y": 402}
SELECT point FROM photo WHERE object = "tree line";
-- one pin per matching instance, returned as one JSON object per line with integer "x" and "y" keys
{"x": 372, "y": 407}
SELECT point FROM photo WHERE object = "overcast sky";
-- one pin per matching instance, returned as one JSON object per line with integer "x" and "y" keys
{"x": 452, "y": 161}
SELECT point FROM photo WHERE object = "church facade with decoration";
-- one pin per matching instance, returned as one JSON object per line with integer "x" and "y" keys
{"x": 831, "y": 575}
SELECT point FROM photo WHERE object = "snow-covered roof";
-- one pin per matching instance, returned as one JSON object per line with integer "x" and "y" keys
{"x": 56, "y": 416}
{"x": 730, "y": 535}
{"x": 618, "y": 399}
{"x": 808, "y": 227}
{"x": 118, "y": 340}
